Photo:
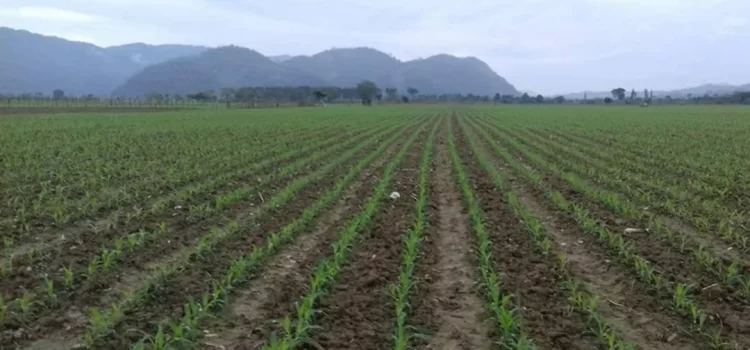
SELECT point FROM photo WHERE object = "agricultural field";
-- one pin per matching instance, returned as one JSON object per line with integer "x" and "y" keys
{"x": 391, "y": 227}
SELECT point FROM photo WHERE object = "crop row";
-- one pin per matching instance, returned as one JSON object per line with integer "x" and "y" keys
{"x": 207, "y": 244}
{"x": 295, "y": 329}
{"x": 578, "y": 297}
{"x": 27, "y": 217}
{"x": 187, "y": 197}
{"x": 185, "y": 155}
{"x": 662, "y": 167}
{"x": 732, "y": 273}
{"x": 110, "y": 256}
{"x": 202, "y": 248}
{"x": 499, "y": 301}
{"x": 413, "y": 238}
{"x": 656, "y": 194}
{"x": 645, "y": 270}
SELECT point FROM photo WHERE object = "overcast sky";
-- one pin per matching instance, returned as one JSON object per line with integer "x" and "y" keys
{"x": 546, "y": 46}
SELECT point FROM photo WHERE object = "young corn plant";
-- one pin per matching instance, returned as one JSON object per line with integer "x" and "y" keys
{"x": 25, "y": 305}
{"x": 7, "y": 242}
{"x": 6, "y": 267}
{"x": 3, "y": 309}
{"x": 101, "y": 323}
{"x": 68, "y": 277}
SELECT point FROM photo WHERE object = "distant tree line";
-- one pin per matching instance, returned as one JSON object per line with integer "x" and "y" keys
{"x": 621, "y": 96}
{"x": 366, "y": 93}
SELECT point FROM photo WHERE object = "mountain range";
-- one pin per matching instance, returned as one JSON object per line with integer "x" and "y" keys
{"x": 31, "y": 63}
{"x": 34, "y": 63}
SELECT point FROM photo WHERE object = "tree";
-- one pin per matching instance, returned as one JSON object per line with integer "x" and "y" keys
{"x": 379, "y": 97}
{"x": 204, "y": 96}
{"x": 539, "y": 99}
{"x": 506, "y": 99}
{"x": 392, "y": 94}
{"x": 320, "y": 96}
{"x": 525, "y": 98}
{"x": 559, "y": 100}
{"x": 156, "y": 97}
{"x": 607, "y": 100}
{"x": 366, "y": 91}
{"x": 648, "y": 96}
{"x": 405, "y": 99}
{"x": 618, "y": 93}
{"x": 412, "y": 92}
{"x": 58, "y": 94}
{"x": 633, "y": 95}
{"x": 496, "y": 98}
{"x": 228, "y": 95}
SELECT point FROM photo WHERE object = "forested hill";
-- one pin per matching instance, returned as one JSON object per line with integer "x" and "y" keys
{"x": 233, "y": 67}
{"x": 434, "y": 75}
{"x": 224, "y": 67}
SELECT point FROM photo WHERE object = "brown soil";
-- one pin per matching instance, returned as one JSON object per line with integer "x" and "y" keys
{"x": 358, "y": 313}
{"x": 528, "y": 275}
{"x": 728, "y": 309}
{"x": 247, "y": 315}
{"x": 448, "y": 303}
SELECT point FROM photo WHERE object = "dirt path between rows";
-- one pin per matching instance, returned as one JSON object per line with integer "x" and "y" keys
{"x": 461, "y": 320}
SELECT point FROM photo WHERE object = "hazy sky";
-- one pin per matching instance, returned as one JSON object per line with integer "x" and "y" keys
{"x": 546, "y": 46}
